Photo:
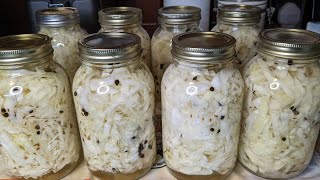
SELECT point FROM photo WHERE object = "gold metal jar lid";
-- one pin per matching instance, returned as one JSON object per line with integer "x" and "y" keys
{"x": 203, "y": 47}
{"x": 239, "y": 14}
{"x": 56, "y": 17}
{"x": 293, "y": 44}
{"x": 107, "y": 48}
{"x": 120, "y": 16}
{"x": 179, "y": 14}
{"x": 24, "y": 48}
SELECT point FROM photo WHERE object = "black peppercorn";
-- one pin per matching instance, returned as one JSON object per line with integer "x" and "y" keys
{"x": 218, "y": 131}
{"x": 75, "y": 93}
{"x": 133, "y": 137}
{"x": 84, "y": 112}
{"x": 195, "y": 78}
{"x": 5, "y": 114}
{"x": 117, "y": 82}
{"x": 3, "y": 110}
{"x": 98, "y": 141}
{"x": 211, "y": 88}
{"x": 37, "y": 127}
{"x": 31, "y": 111}
{"x": 222, "y": 117}
{"x": 146, "y": 141}
{"x": 141, "y": 155}
{"x": 60, "y": 112}
{"x": 212, "y": 129}
{"x": 38, "y": 132}
{"x": 284, "y": 139}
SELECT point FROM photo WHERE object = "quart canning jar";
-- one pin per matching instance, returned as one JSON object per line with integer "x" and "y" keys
{"x": 173, "y": 20}
{"x": 202, "y": 95}
{"x": 62, "y": 26}
{"x": 114, "y": 99}
{"x": 282, "y": 104}
{"x": 39, "y": 136}
{"x": 126, "y": 19}
{"x": 241, "y": 22}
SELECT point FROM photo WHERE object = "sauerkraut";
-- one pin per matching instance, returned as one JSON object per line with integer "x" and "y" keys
{"x": 115, "y": 107}
{"x": 144, "y": 36}
{"x": 246, "y": 36}
{"x": 281, "y": 116}
{"x": 38, "y": 130}
{"x": 65, "y": 44}
{"x": 201, "y": 119}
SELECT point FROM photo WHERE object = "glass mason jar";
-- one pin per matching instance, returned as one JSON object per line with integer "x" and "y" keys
{"x": 282, "y": 104}
{"x": 39, "y": 136}
{"x": 241, "y": 22}
{"x": 173, "y": 20}
{"x": 114, "y": 99}
{"x": 62, "y": 26}
{"x": 126, "y": 19}
{"x": 202, "y": 95}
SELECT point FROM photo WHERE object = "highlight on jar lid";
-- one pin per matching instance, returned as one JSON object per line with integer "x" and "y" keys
{"x": 59, "y": 16}
{"x": 24, "y": 48}
{"x": 120, "y": 16}
{"x": 179, "y": 14}
{"x": 106, "y": 48}
{"x": 203, "y": 47}
{"x": 294, "y": 44}
{"x": 239, "y": 14}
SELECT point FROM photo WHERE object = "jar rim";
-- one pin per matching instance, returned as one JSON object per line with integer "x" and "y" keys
{"x": 57, "y": 17}
{"x": 179, "y": 14}
{"x": 203, "y": 47}
{"x": 109, "y": 47}
{"x": 289, "y": 43}
{"x": 239, "y": 14}
{"x": 120, "y": 16}
{"x": 24, "y": 48}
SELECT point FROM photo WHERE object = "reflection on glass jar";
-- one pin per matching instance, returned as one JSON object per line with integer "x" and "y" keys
{"x": 202, "y": 94}
{"x": 241, "y": 22}
{"x": 62, "y": 26}
{"x": 281, "y": 110}
{"x": 129, "y": 20}
{"x": 114, "y": 98}
{"x": 39, "y": 136}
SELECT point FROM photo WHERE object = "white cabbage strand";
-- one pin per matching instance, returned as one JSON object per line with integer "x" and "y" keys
{"x": 40, "y": 134}
{"x": 200, "y": 124}
{"x": 65, "y": 44}
{"x": 115, "y": 109}
{"x": 281, "y": 116}
{"x": 246, "y": 36}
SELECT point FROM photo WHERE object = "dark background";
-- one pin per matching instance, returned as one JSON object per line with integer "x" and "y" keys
{"x": 14, "y": 18}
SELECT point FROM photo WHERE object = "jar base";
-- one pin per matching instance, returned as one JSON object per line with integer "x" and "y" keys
{"x": 58, "y": 175}
{"x": 121, "y": 176}
{"x": 267, "y": 177}
{"x": 181, "y": 176}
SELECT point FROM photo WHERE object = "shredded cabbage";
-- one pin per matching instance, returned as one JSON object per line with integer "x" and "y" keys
{"x": 246, "y": 37}
{"x": 138, "y": 30}
{"x": 161, "y": 55}
{"x": 38, "y": 130}
{"x": 115, "y": 107}
{"x": 201, "y": 119}
{"x": 65, "y": 44}
{"x": 281, "y": 116}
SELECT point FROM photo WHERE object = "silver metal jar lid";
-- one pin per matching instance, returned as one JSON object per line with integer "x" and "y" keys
{"x": 120, "y": 16}
{"x": 239, "y": 14}
{"x": 56, "y": 17}
{"x": 293, "y": 44}
{"x": 106, "y": 48}
{"x": 179, "y": 14}
{"x": 203, "y": 47}
{"x": 24, "y": 48}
